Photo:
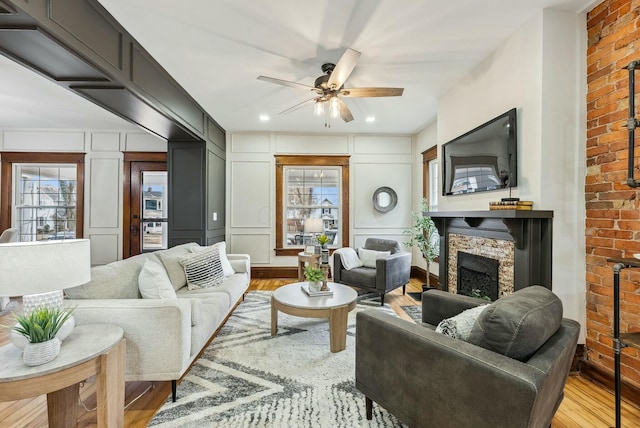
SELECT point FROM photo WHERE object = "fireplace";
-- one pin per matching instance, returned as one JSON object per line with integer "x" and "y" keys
{"x": 521, "y": 241}
{"x": 477, "y": 275}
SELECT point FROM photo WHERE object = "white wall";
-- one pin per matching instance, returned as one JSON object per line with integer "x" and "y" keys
{"x": 375, "y": 161}
{"x": 103, "y": 175}
{"x": 540, "y": 71}
{"x": 425, "y": 139}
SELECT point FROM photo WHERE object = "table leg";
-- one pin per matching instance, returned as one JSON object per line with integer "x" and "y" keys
{"x": 301, "y": 266}
{"x": 62, "y": 407}
{"x": 110, "y": 387}
{"x": 338, "y": 328}
{"x": 274, "y": 318}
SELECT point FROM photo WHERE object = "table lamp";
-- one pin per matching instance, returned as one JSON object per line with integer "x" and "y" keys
{"x": 313, "y": 226}
{"x": 39, "y": 271}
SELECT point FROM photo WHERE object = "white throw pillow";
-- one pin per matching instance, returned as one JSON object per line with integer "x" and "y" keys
{"x": 459, "y": 327}
{"x": 369, "y": 257}
{"x": 154, "y": 283}
{"x": 203, "y": 268}
{"x": 226, "y": 264}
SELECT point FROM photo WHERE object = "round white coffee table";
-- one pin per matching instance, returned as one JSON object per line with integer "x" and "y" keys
{"x": 292, "y": 300}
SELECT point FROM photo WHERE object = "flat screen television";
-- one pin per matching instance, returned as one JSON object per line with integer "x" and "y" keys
{"x": 483, "y": 159}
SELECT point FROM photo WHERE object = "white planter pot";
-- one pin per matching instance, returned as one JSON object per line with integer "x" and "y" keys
{"x": 315, "y": 285}
{"x": 35, "y": 354}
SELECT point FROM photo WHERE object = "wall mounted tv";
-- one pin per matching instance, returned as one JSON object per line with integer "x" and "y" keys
{"x": 482, "y": 159}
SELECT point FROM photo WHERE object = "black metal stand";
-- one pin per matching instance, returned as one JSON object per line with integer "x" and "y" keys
{"x": 617, "y": 344}
{"x": 618, "y": 338}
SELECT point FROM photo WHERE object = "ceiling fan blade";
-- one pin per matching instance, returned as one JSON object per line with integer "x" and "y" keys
{"x": 343, "y": 68}
{"x": 286, "y": 83}
{"x": 345, "y": 113}
{"x": 372, "y": 92}
{"x": 297, "y": 106}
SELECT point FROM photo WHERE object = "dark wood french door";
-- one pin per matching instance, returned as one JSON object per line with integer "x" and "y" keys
{"x": 145, "y": 203}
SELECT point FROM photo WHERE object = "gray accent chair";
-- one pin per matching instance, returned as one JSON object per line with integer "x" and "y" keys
{"x": 438, "y": 381}
{"x": 390, "y": 272}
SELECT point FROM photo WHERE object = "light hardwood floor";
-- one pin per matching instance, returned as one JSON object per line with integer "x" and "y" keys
{"x": 586, "y": 404}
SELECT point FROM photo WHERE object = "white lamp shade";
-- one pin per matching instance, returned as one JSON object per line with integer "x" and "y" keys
{"x": 43, "y": 266}
{"x": 313, "y": 225}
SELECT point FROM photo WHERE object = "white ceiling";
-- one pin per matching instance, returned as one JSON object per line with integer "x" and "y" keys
{"x": 216, "y": 48}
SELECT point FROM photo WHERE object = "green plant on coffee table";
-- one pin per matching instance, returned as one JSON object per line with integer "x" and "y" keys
{"x": 313, "y": 274}
{"x": 41, "y": 324}
{"x": 323, "y": 240}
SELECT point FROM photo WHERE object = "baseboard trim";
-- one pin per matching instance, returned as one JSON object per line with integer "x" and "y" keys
{"x": 630, "y": 392}
{"x": 421, "y": 274}
{"x": 272, "y": 272}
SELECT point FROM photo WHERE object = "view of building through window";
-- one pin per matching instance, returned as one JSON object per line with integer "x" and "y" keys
{"x": 45, "y": 201}
{"x": 312, "y": 193}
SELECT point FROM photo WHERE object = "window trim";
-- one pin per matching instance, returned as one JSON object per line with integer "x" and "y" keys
{"x": 303, "y": 160}
{"x": 427, "y": 156}
{"x": 7, "y": 159}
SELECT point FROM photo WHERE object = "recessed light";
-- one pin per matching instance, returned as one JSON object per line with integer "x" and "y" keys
{"x": 370, "y": 119}
{"x": 264, "y": 118}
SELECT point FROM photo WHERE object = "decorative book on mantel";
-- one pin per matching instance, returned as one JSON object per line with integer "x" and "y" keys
{"x": 511, "y": 205}
{"x": 314, "y": 293}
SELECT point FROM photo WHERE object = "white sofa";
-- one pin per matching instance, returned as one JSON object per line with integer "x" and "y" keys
{"x": 164, "y": 335}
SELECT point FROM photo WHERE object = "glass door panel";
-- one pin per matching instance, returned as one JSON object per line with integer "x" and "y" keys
{"x": 154, "y": 205}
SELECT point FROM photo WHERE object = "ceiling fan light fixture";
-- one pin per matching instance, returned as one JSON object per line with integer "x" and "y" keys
{"x": 318, "y": 107}
{"x": 334, "y": 107}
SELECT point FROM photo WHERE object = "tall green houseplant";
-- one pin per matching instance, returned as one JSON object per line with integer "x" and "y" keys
{"x": 424, "y": 235}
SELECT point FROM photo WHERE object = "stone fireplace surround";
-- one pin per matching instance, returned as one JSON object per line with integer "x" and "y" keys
{"x": 521, "y": 241}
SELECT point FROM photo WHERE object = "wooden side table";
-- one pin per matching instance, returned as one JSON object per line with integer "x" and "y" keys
{"x": 92, "y": 349}
{"x": 304, "y": 258}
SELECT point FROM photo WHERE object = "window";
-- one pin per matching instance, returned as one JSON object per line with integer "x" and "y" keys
{"x": 311, "y": 193}
{"x": 45, "y": 201}
{"x": 433, "y": 184}
{"x": 311, "y": 187}
{"x": 430, "y": 176}
{"x": 42, "y": 195}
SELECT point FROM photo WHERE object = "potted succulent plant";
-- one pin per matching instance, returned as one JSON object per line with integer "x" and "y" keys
{"x": 40, "y": 327}
{"x": 323, "y": 240}
{"x": 314, "y": 275}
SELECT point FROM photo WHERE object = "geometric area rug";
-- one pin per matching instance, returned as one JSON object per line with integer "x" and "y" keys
{"x": 247, "y": 378}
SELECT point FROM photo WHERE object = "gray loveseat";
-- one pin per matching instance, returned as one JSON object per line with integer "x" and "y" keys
{"x": 164, "y": 335}
{"x": 513, "y": 375}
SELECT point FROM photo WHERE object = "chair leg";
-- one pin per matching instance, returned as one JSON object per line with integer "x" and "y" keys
{"x": 174, "y": 384}
{"x": 368, "y": 403}
{"x": 404, "y": 289}
{"x": 381, "y": 299}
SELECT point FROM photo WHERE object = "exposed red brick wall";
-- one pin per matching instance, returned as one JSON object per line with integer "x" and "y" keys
{"x": 613, "y": 216}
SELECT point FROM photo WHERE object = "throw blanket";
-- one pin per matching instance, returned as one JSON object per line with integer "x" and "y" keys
{"x": 349, "y": 258}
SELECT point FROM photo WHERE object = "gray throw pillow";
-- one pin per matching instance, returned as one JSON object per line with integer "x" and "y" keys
{"x": 517, "y": 325}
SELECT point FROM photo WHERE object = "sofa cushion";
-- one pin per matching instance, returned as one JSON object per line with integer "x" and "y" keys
{"x": 117, "y": 280}
{"x": 154, "y": 282}
{"x": 378, "y": 244}
{"x": 203, "y": 268}
{"x": 518, "y": 324}
{"x": 460, "y": 326}
{"x": 369, "y": 257}
{"x": 170, "y": 258}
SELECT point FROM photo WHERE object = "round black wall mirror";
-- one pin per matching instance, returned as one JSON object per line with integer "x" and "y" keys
{"x": 384, "y": 199}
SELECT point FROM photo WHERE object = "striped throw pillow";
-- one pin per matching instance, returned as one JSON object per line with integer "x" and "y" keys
{"x": 203, "y": 268}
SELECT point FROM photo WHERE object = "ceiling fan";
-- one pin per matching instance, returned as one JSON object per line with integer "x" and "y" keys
{"x": 329, "y": 89}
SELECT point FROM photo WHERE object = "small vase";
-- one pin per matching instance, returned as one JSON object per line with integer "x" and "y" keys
{"x": 35, "y": 354}
{"x": 315, "y": 285}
